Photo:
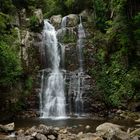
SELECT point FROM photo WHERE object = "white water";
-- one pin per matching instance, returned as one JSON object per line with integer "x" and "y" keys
{"x": 80, "y": 44}
{"x": 52, "y": 98}
{"x": 80, "y": 74}
{"x": 64, "y": 22}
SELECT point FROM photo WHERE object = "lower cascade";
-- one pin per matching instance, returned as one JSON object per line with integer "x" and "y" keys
{"x": 52, "y": 98}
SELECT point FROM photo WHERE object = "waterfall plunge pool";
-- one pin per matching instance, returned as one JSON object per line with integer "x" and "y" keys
{"x": 73, "y": 124}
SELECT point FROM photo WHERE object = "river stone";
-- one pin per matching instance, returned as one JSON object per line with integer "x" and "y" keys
{"x": 67, "y": 137}
{"x": 51, "y": 137}
{"x": 31, "y": 130}
{"x": 7, "y": 128}
{"x": 40, "y": 136}
{"x": 107, "y": 126}
{"x": 57, "y": 129}
{"x": 72, "y": 20}
{"x": 87, "y": 127}
{"x": 63, "y": 131}
{"x": 80, "y": 134}
{"x": 56, "y": 21}
{"x": 112, "y": 131}
{"x": 20, "y": 132}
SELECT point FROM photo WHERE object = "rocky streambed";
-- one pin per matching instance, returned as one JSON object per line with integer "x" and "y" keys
{"x": 124, "y": 126}
{"x": 104, "y": 131}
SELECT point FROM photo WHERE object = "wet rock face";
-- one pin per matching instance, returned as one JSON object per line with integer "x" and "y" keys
{"x": 71, "y": 61}
{"x": 38, "y": 14}
{"x": 72, "y": 20}
{"x": 68, "y": 35}
{"x": 56, "y": 21}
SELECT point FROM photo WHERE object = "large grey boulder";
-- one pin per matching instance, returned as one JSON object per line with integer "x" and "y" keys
{"x": 112, "y": 132}
{"x": 108, "y": 126}
{"x": 56, "y": 21}
{"x": 72, "y": 20}
{"x": 8, "y": 127}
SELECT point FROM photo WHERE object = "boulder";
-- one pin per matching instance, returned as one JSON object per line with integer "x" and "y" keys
{"x": 112, "y": 131}
{"x": 43, "y": 129}
{"x": 63, "y": 131}
{"x": 51, "y": 137}
{"x": 7, "y": 128}
{"x": 31, "y": 130}
{"x": 56, "y": 21}
{"x": 40, "y": 136}
{"x": 80, "y": 134}
{"x": 107, "y": 126}
{"x": 67, "y": 137}
{"x": 20, "y": 132}
{"x": 72, "y": 20}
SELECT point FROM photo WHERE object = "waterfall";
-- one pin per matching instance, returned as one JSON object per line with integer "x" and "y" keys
{"x": 52, "y": 98}
{"x": 52, "y": 95}
{"x": 80, "y": 44}
{"x": 80, "y": 74}
{"x": 64, "y": 22}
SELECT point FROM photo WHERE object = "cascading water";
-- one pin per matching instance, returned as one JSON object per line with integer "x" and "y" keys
{"x": 64, "y": 22}
{"x": 52, "y": 98}
{"x": 77, "y": 78}
{"x": 80, "y": 75}
{"x": 80, "y": 44}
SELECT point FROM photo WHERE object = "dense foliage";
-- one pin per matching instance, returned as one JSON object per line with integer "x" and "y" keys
{"x": 117, "y": 70}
